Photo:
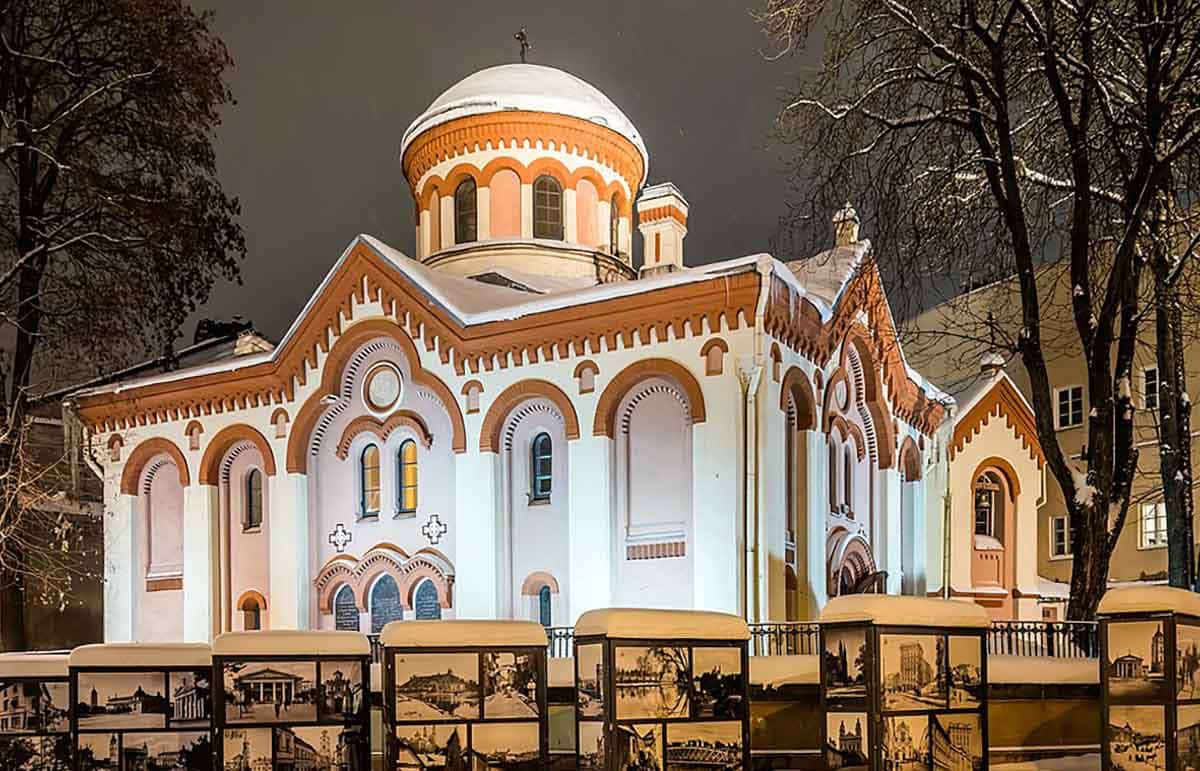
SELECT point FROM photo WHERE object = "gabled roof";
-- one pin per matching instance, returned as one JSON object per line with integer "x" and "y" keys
{"x": 995, "y": 396}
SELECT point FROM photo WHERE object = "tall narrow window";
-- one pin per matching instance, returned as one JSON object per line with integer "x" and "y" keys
{"x": 987, "y": 499}
{"x": 547, "y": 208}
{"x": 544, "y": 606}
{"x": 251, "y": 615}
{"x": 614, "y": 227}
{"x": 1154, "y": 525}
{"x": 833, "y": 472}
{"x": 848, "y": 479}
{"x": 541, "y": 456}
{"x": 1070, "y": 406}
{"x": 465, "y": 207}
{"x": 1150, "y": 388}
{"x": 369, "y": 473}
{"x": 407, "y": 460}
{"x": 252, "y": 518}
{"x": 1060, "y": 537}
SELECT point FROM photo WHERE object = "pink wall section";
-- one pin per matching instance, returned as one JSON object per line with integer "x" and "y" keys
{"x": 505, "y": 191}
{"x": 160, "y": 613}
{"x": 587, "y": 200}
{"x": 250, "y": 555}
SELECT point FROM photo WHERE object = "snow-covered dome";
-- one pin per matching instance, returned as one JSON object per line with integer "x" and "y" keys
{"x": 531, "y": 87}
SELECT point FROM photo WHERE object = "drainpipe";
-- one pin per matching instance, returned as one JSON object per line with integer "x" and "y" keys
{"x": 752, "y": 564}
{"x": 946, "y": 505}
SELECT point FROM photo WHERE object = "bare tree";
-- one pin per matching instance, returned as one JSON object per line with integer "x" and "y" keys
{"x": 114, "y": 226}
{"x": 1011, "y": 137}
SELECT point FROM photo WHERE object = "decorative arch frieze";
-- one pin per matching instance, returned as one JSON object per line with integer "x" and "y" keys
{"x": 797, "y": 392}
{"x": 849, "y": 431}
{"x": 605, "y": 423}
{"x": 223, "y": 442}
{"x": 534, "y": 582}
{"x": 251, "y": 594}
{"x": 512, "y": 397}
{"x": 383, "y": 429}
{"x": 407, "y": 570}
{"x": 1012, "y": 480}
{"x": 131, "y": 475}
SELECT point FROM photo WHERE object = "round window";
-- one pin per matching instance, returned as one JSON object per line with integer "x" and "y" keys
{"x": 382, "y": 387}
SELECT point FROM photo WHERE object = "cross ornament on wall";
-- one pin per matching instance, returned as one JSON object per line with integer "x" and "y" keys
{"x": 434, "y": 528}
{"x": 340, "y": 537}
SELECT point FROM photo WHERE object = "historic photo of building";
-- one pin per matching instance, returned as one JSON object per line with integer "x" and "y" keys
{"x": 270, "y": 691}
{"x": 33, "y": 706}
{"x": 184, "y": 751}
{"x": 956, "y": 742}
{"x": 966, "y": 672}
{"x": 589, "y": 661}
{"x": 313, "y": 748}
{"x": 437, "y": 686}
{"x": 717, "y": 683}
{"x": 845, "y": 659}
{"x": 99, "y": 752}
{"x": 710, "y": 745}
{"x": 1137, "y": 738}
{"x": 122, "y": 700}
{"x": 35, "y": 753}
{"x": 640, "y": 747}
{"x": 191, "y": 698}
{"x": 905, "y": 743}
{"x": 651, "y": 682}
{"x": 247, "y": 749}
{"x": 912, "y": 671}
{"x": 1187, "y": 737}
{"x": 1187, "y": 661}
{"x": 846, "y": 743}
{"x": 341, "y": 690}
{"x": 1136, "y": 662}
{"x": 431, "y": 747}
{"x": 509, "y": 685}
{"x": 591, "y": 745}
{"x": 505, "y": 746}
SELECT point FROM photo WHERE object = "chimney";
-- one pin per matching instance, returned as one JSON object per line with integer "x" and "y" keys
{"x": 662, "y": 218}
{"x": 845, "y": 226}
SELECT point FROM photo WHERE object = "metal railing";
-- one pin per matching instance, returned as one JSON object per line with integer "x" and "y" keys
{"x": 789, "y": 638}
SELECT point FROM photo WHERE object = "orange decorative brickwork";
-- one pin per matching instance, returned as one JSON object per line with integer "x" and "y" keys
{"x": 1000, "y": 401}
{"x": 383, "y": 429}
{"x": 515, "y": 394}
{"x": 143, "y": 454}
{"x": 606, "y": 408}
{"x": 210, "y": 464}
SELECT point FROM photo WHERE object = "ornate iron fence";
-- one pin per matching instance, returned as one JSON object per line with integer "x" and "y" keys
{"x": 784, "y": 639}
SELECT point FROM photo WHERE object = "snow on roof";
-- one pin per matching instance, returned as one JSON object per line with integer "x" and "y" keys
{"x": 776, "y": 671}
{"x": 651, "y": 623}
{"x": 291, "y": 642}
{"x": 826, "y": 274}
{"x": 529, "y": 87}
{"x": 560, "y": 673}
{"x": 1042, "y": 670}
{"x": 905, "y": 611}
{"x": 148, "y": 655}
{"x": 1149, "y": 599}
{"x": 463, "y": 633}
{"x": 538, "y": 282}
{"x": 43, "y": 665}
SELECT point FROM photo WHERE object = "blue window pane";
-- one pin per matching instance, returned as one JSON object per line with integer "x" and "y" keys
{"x": 544, "y": 605}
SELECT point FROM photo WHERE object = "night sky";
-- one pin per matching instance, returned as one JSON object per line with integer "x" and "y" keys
{"x": 325, "y": 90}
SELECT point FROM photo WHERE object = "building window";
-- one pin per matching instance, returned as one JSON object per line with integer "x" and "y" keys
{"x": 385, "y": 603}
{"x": 847, "y": 479}
{"x": 426, "y": 603}
{"x": 251, "y": 615}
{"x": 253, "y": 515}
{"x": 345, "y": 610}
{"x": 544, "y": 606}
{"x": 987, "y": 502}
{"x": 1069, "y": 403}
{"x": 1150, "y": 388}
{"x": 1060, "y": 537}
{"x": 833, "y": 470}
{"x": 369, "y": 474}
{"x": 547, "y": 208}
{"x": 407, "y": 475}
{"x": 465, "y": 207}
{"x": 1153, "y": 531}
{"x": 541, "y": 455}
{"x": 614, "y": 228}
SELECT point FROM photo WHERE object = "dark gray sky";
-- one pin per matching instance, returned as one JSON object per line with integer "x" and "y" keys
{"x": 325, "y": 90}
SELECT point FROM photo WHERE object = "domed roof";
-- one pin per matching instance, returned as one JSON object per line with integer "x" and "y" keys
{"x": 531, "y": 87}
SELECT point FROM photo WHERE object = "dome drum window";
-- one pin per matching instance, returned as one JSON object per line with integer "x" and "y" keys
{"x": 541, "y": 464}
{"x": 547, "y": 208}
{"x": 465, "y": 212}
{"x": 252, "y": 517}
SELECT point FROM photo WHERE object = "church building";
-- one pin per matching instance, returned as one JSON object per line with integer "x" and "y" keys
{"x": 516, "y": 422}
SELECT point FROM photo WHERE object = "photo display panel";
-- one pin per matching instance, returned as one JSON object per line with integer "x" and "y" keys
{"x": 35, "y": 724}
{"x": 134, "y": 719}
{"x": 466, "y": 709}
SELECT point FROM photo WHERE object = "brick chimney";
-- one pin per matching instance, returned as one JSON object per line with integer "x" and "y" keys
{"x": 845, "y": 226}
{"x": 662, "y": 219}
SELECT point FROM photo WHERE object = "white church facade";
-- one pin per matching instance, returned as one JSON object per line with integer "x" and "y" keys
{"x": 514, "y": 422}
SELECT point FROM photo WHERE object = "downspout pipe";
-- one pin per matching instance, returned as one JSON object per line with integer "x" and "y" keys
{"x": 947, "y": 507}
{"x": 752, "y": 558}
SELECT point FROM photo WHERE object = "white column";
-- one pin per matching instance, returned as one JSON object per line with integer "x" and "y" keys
{"x": 423, "y": 235}
{"x": 447, "y": 202}
{"x": 589, "y": 582}
{"x": 570, "y": 220}
{"x": 483, "y": 213}
{"x": 526, "y": 211}
{"x": 919, "y": 539}
{"x": 604, "y": 215}
{"x": 123, "y": 572}
{"x": 716, "y": 496}
{"x": 288, "y": 604}
{"x": 887, "y": 526}
{"x": 476, "y": 568}
{"x": 818, "y": 515}
{"x": 200, "y": 574}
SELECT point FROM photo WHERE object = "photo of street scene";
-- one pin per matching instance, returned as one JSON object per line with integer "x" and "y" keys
{"x": 112, "y": 700}
{"x": 905, "y": 743}
{"x": 340, "y": 694}
{"x": 35, "y": 753}
{"x": 99, "y": 752}
{"x": 33, "y": 706}
{"x": 1135, "y": 660}
{"x": 505, "y": 746}
{"x": 191, "y": 698}
{"x": 1137, "y": 738}
{"x": 184, "y": 751}
{"x": 1187, "y": 661}
{"x": 912, "y": 671}
{"x": 1187, "y": 736}
{"x": 956, "y": 741}
{"x": 270, "y": 691}
{"x": 846, "y": 744}
{"x": 431, "y": 747}
{"x": 509, "y": 685}
{"x": 711, "y": 745}
{"x": 845, "y": 658}
{"x": 717, "y": 687}
{"x": 437, "y": 686}
{"x": 591, "y": 745}
{"x": 639, "y": 747}
{"x": 651, "y": 682}
{"x": 246, "y": 749}
{"x": 966, "y": 672}
{"x": 315, "y": 748}
{"x": 589, "y": 659}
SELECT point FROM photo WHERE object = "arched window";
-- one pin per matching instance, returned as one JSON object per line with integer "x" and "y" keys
{"x": 544, "y": 606}
{"x": 987, "y": 505}
{"x": 848, "y": 478}
{"x": 369, "y": 481}
{"x": 465, "y": 223}
{"x": 425, "y": 601}
{"x": 407, "y": 476}
{"x": 345, "y": 610}
{"x": 547, "y": 208}
{"x": 385, "y": 603}
{"x": 614, "y": 227}
{"x": 252, "y": 517}
{"x": 541, "y": 454}
{"x": 833, "y": 472}
{"x": 251, "y": 614}
{"x": 435, "y": 221}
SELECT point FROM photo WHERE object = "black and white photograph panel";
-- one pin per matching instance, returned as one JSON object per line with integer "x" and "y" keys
{"x": 846, "y": 744}
{"x": 966, "y": 672}
{"x": 639, "y": 746}
{"x": 1135, "y": 660}
{"x": 1137, "y": 738}
{"x": 176, "y": 751}
{"x": 101, "y": 752}
{"x": 316, "y": 747}
{"x": 34, "y": 706}
{"x": 589, "y": 662}
{"x": 437, "y": 686}
{"x": 912, "y": 671}
{"x": 1187, "y": 661}
{"x": 845, "y": 660}
{"x": 506, "y": 746}
{"x": 431, "y": 747}
{"x": 122, "y": 700}
{"x": 191, "y": 698}
{"x": 35, "y": 753}
{"x": 340, "y": 694}
{"x": 717, "y": 683}
{"x": 956, "y": 741}
{"x": 591, "y": 745}
{"x": 651, "y": 682}
{"x": 246, "y": 749}
{"x": 270, "y": 691}
{"x": 1187, "y": 736}
{"x": 905, "y": 743}
{"x": 713, "y": 745}
{"x": 509, "y": 685}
